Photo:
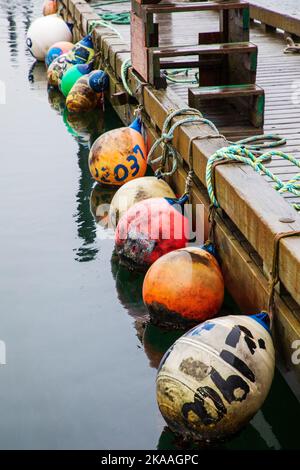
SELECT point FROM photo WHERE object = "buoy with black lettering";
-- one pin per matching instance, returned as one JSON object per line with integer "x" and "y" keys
{"x": 118, "y": 156}
{"x": 150, "y": 229}
{"x": 87, "y": 92}
{"x": 214, "y": 378}
{"x": 135, "y": 191}
{"x": 50, "y": 7}
{"x": 56, "y": 50}
{"x": 82, "y": 53}
{"x": 183, "y": 288}
{"x": 44, "y": 32}
{"x": 71, "y": 76}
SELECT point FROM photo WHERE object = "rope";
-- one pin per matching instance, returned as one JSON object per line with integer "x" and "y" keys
{"x": 275, "y": 270}
{"x": 171, "y": 76}
{"x": 110, "y": 2}
{"x": 116, "y": 18}
{"x": 291, "y": 47}
{"x": 94, "y": 23}
{"x": 169, "y": 153}
{"x": 240, "y": 152}
{"x": 124, "y": 71}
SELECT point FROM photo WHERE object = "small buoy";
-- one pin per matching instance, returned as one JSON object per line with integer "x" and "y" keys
{"x": 87, "y": 92}
{"x": 44, "y": 32}
{"x": 150, "y": 229}
{"x": 71, "y": 76}
{"x": 58, "y": 49}
{"x": 135, "y": 191}
{"x": 184, "y": 287}
{"x": 50, "y": 7}
{"x": 118, "y": 156}
{"x": 214, "y": 379}
{"x": 82, "y": 53}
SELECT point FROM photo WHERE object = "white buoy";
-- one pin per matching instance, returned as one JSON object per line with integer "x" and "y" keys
{"x": 135, "y": 191}
{"x": 44, "y": 32}
{"x": 214, "y": 379}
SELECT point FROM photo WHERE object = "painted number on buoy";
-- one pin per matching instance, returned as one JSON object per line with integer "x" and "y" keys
{"x": 234, "y": 388}
{"x": 121, "y": 171}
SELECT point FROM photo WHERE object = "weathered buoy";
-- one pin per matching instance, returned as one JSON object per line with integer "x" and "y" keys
{"x": 184, "y": 287}
{"x": 71, "y": 76}
{"x": 44, "y": 32}
{"x": 118, "y": 156}
{"x": 58, "y": 49}
{"x": 135, "y": 191}
{"x": 82, "y": 53}
{"x": 150, "y": 229}
{"x": 87, "y": 92}
{"x": 50, "y": 7}
{"x": 214, "y": 379}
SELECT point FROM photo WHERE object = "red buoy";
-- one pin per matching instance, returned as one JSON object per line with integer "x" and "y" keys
{"x": 150, "y": 229}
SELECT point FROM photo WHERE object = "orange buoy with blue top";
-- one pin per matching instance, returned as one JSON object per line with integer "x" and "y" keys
{"x": 119, "y": 155}
{"x": 150, "y": 229}
{"x": 87, "y": 92}
{"x": 183, "y": 288}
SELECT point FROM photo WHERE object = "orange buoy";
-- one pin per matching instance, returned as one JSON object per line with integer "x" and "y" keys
{"x": 184, "y": 287}
{"x": 118, "y": 156}
{"x": 150, "y": 229}
{"x": 50, "y": 7}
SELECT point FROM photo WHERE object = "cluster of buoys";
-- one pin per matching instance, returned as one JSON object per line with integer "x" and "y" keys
{"x": 215, "y": 377}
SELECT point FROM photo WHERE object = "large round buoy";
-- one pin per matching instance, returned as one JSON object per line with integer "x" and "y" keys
{"x": 82, "y": 53}
{"x": 44, "y": 32}
{"x": 58, "y": 49}
{"x": 50, "y": 7}
{"x": 184, "y": 287}
{"x": 150, "y": 229}
{"x": 71, "y": 76}
{"x": 135, "y": 191}
{"x": 118, "y": 156}
{"x": 214, "y": 379}
{"x": 87, "y": 92}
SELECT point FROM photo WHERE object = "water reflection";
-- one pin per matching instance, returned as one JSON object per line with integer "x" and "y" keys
{"x": 12, "y": 33}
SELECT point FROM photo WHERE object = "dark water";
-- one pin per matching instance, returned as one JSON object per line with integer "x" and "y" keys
{"x": 77, "y": 375}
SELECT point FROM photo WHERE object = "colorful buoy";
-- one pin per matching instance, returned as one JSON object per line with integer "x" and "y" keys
{"x": 135, "y": 191}
{"x": 184, "y": 287}
{"x": 56, "y": 50}
{"x": 44, "y": 32}
{"x": 71, "y": 76}
{"x": 214, "y": 379}
{"x": 50, "y": 7}
{"x": 87, "y": 92}
{"x": 150, "y": 229}
{"x": 118, "y": 156}
{"x": 81, "y": 53}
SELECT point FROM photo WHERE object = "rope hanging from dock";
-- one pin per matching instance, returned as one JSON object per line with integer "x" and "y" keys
{"x": 250, "y": 155}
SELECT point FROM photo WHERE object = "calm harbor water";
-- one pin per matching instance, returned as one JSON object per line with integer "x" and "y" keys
{"x": 77, "y": 373}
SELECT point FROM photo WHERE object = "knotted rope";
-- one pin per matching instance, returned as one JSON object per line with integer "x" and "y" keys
{"x": 291, "y": 47}
{"x": 169, "y": 153}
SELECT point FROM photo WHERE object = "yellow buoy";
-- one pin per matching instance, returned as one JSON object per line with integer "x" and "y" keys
{"x": 214, "y": 379}
{"x": 118, "y": 156}
{"x": 134, "y": 191}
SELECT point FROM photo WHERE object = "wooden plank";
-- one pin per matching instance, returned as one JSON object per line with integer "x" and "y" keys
{"x": 285, "y": 22}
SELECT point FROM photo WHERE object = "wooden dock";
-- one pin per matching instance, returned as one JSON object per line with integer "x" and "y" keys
{"x": 253, "y": 213}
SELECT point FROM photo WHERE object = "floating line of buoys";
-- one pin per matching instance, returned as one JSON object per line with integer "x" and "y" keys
{"x": 82, "y": 53}
{"x": 118, "y": 156}
{"x": 194, "y": 294}
{"x": 56, "y": 50}
{"x": 214, "y": 379}
{"x": 44, "y": 32}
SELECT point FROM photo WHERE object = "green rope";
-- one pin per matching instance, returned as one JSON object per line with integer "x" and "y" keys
{"x": 172, "y": 76}
{"x": 93, "y": 24}
{"x": 192, "y": 116}
{"x": 116, "y": 18}
{"x": 110, "y": 2}
{"x": 242, "y": 153}
{"x": 124, "y": 71}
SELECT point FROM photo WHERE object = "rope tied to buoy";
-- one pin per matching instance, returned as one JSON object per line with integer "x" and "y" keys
{"x": 124, "y": 75}
{"x": 169, "y": 153}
